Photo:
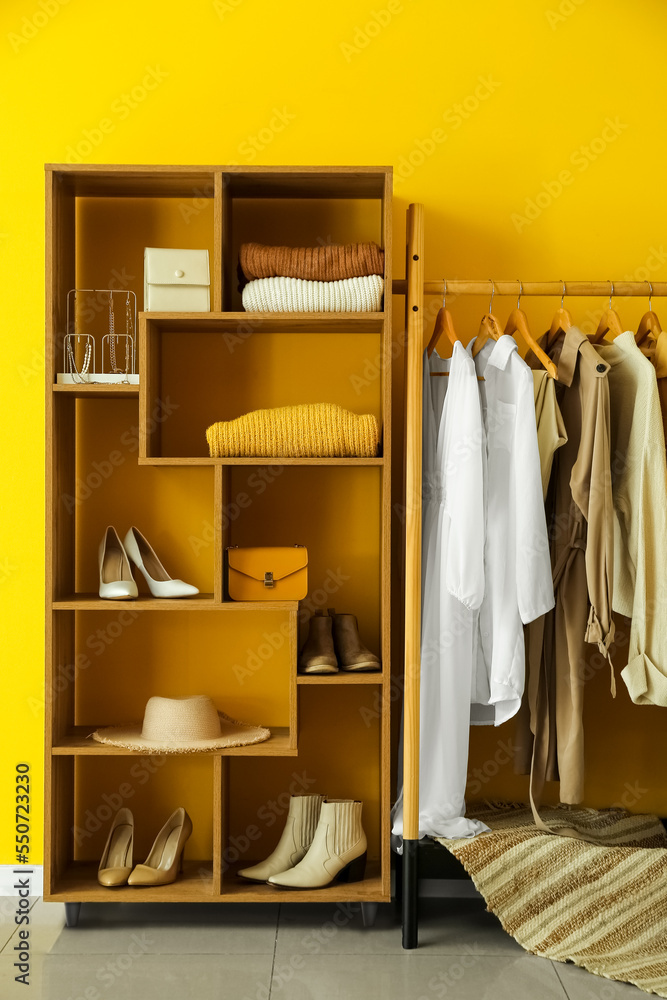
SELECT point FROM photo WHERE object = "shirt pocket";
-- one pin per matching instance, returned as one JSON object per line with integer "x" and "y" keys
{"x": 501, "y": 431}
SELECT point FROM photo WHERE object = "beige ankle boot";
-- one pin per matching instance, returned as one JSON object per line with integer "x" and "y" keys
{"x": 338, "y": 851}
{"x": 351, "y": 652}
{"x": 318, "y": 655}
{"x": 300, "y": 826}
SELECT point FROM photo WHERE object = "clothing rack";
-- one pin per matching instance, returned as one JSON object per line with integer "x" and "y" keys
{"x": 415, "y": 287}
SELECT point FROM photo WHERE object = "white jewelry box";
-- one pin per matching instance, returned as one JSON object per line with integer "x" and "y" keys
{"x": 176, "y": 280}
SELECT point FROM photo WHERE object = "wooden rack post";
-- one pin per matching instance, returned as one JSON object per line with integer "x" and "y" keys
{"x": 413, "y": 541}
{"x": 415, "y": 287}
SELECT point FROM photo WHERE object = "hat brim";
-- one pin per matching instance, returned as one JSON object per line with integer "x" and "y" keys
{"x": 233, "y": 734}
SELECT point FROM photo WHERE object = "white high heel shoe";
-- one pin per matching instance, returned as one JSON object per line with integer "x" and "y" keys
{"x": 144, "y": 558}
{"x": 116, "y": 580}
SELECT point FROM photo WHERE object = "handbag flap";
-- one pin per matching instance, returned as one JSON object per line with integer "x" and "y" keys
{"x": 281, "y": 561}
{"x": 176, "y": 267}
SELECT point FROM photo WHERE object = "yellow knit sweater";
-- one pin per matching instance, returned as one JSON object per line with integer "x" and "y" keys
{"x": 309, "y": 430}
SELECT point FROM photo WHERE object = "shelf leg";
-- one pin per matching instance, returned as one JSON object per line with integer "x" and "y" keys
{"x": 369, "y": 912}
{"x": 410, "y": 893}
{"x": 72, "y": 911}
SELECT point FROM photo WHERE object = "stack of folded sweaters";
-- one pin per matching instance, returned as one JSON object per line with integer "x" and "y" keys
{"x": 312, "y": 279}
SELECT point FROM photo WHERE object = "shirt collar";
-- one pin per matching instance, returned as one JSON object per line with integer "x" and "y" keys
{"x": 501, "y": 351}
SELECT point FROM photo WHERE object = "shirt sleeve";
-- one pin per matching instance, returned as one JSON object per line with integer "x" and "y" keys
{"x": 590, "y": 483}
{"x": 463, "y": 474}
{"x": 534, "y": 582}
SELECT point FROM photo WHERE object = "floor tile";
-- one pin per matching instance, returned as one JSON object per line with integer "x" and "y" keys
{"x": 446, "y": 927}
{"x": 130, "y": 976}
{"x": 164, "y": 928}
{"x": 47, "y": 921}
{"x": 415, "y": 976}
{"x": 580, "y": 984}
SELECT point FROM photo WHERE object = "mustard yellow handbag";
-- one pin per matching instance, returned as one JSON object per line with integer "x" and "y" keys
{"x": 269, "y": 573}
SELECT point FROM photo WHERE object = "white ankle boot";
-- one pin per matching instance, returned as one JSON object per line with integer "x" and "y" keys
{"x": 337, "y": 853}
{"x": 144, "y": 557}
{"x": 300, "y": 826}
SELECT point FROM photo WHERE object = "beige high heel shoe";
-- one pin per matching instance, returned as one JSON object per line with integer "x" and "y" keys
{"x": 166, "y": 855}
{"x": 116, "y": 863}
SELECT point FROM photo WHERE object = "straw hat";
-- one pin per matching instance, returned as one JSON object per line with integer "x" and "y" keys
{"x": 182, "y": 725}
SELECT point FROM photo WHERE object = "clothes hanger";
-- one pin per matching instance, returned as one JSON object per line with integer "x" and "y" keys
{"x": 518, "y": 323}
{"x": 649, "y": 324}
{"x": 489, "y": 327}
{"x": 610, "y": 321}
{"x": 561, "y": 322}
{"x": 444, "y": 324}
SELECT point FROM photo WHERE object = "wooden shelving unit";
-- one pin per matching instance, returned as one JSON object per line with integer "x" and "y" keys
{"x": 113, "y": 457}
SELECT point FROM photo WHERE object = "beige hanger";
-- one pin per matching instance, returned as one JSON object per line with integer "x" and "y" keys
{"x": 518, "y": 323}
{"x": 610, "y": 321}
{"x": 489, "y": 327}
{"x": 649, "y": 325}
{"x": 444, "y": 324}
{"x": 561, "y": 322}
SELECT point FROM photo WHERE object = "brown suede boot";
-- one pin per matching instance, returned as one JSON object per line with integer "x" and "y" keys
{"x": 351, "y": 652}
{"x": 318, "y": 655}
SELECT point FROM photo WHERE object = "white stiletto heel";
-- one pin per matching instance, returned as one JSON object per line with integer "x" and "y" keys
{"x": 144, "y": 558}
{"x": 116, "y": 580}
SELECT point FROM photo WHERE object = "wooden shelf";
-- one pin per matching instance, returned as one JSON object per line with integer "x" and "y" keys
{"x": 369, "y": 890}
{"x": 203, "y": 602}
{"x": 342, "y": 678}
{"x": 354, "y": 462}
{"x": 79, "y": 884}
{"x": 229, "y": 322}
{"x": 78, "y": 743}
{"x": 111, "y": 391}
{"x": 196, "y": 885}
{"x": 77, "y": 769}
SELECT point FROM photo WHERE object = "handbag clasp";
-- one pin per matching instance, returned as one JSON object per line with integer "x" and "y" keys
{"x": 268, "y": 579}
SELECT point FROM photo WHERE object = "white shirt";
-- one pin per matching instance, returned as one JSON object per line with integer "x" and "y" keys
{"x": 517, "y": 565}
{"x": 452, "y": 590}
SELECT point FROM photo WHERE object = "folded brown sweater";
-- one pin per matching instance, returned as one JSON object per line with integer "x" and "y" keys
{"x": 325, "y": 263}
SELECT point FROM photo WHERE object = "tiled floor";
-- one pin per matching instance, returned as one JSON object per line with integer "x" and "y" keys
{"x": 281, "y": 952}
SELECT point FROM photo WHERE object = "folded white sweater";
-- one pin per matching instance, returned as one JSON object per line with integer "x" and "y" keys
{"x": 362, "y": 294}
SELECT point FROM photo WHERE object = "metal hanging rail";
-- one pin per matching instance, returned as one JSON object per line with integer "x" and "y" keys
{"x": 414, "y": 287}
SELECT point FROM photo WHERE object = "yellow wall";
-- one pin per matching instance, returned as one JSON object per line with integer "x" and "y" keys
{"x": 534, "y": 133}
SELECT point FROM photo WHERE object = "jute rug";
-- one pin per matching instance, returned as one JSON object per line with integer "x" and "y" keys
{"x": 601, "y": 905}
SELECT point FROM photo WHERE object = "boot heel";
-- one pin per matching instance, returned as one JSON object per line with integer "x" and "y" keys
{"x": 354, "y": 871}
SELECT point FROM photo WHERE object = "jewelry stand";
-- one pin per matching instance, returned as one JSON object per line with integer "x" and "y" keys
{"x": 111, "y": 342}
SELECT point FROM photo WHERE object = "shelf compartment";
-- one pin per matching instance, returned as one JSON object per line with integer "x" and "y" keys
{"x": 203, "y": 602}
{"x": 368, "y": 890}
{"x": 264, "y": 462}
{"x": 244, "y": 323}
{"x": 341, "y": 678}
{"x": 78, "y": 743}
{"x": 202, "y": 370}
{"x": 119, "y": 391}
{"x": 78, "y": 883}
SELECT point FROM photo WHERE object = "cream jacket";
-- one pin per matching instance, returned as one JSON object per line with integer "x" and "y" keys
{"x": 639, "y": 489}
